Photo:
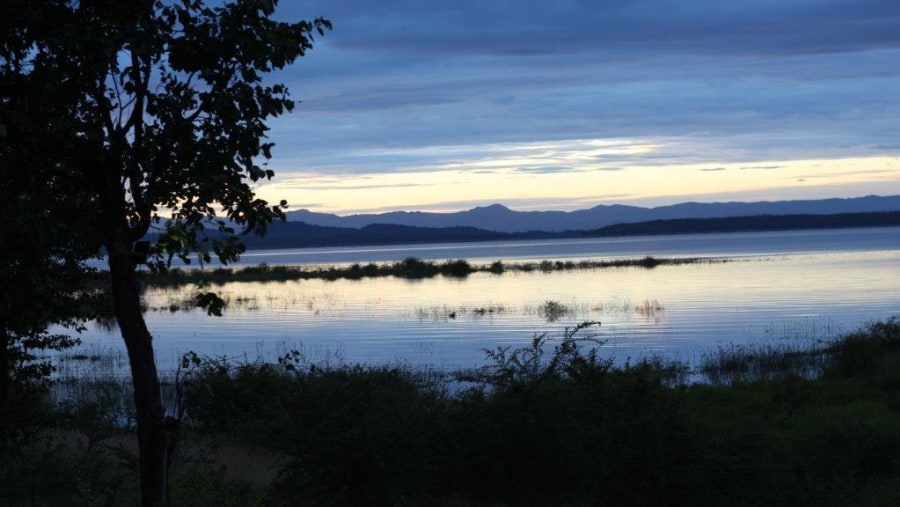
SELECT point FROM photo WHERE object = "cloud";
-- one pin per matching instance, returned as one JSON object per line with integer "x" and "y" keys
{"x": 850, "y": 173}
{"x": 887, "y": 147}
{"x": 303, "y": 205}
{"x": 300, "y": 185}
{"x": 429, "y": 73}
{"x": 713, "y": 169}
{"x": 760, "y": 168}
{"x": 481, "y": 85}
{"x": 535, "y": 28}
{"x": 545, "y": 169}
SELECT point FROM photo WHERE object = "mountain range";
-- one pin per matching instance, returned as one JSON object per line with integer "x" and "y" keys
{"x": 499, "y": 218}
{"x": 301, "y": 234}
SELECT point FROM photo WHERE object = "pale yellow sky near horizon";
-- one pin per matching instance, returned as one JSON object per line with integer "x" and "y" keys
{"x": 465, "y": 184}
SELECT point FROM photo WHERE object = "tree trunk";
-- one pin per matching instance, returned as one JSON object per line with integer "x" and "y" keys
{"x": 5, "y": 370}
{"x": 150, "y": 415}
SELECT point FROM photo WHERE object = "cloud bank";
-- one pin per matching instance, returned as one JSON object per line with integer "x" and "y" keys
{"x": 406, "y": 86}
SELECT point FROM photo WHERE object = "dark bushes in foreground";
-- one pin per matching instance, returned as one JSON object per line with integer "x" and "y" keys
{"x": 552, "y": 423}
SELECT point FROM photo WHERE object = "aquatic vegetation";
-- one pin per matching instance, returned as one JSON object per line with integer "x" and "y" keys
{"x": 457, "y": 268}
{"x": 444, "y": 313}
{"x": 743, "y": 363}
{"x": 495, "y": 309}
{"x": 648, "y": 308}
{"x": 553, "y": 310}
{"x": 410, "y": 267}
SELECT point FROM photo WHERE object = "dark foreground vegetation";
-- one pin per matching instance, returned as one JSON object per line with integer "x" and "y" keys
{"x": 411, "y": 267}
{"x": 549, "y": 424}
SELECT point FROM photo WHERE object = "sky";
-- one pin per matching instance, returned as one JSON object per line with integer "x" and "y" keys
{"x": 568, "y": 104}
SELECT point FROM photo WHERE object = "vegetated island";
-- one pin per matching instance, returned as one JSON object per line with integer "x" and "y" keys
{"x": 300, "y": 234}
{"x": 409, "y": 268}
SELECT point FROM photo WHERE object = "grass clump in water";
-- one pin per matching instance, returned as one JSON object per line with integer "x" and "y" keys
{"x": 553, "y": 310}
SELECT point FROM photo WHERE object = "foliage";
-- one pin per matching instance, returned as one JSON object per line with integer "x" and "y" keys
{"x": 863, "y": 352}
{"x": 45, "y": 240}
{"x": 368, "y": 423}
{"x": 552, "y": 427}
{"x": 510, "y": 368}
{"x": 750, "y": 364}
{"x": 146, "y": 109}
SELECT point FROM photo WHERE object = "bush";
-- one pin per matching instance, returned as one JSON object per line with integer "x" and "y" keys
{"x": 865, "y": 352}
{"x": 549, "y": 423}
{"x": 412, "y": 267}
{"x": 457, "y": 268}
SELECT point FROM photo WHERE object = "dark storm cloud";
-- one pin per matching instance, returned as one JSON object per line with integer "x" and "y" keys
{"x": 552, "y": 27}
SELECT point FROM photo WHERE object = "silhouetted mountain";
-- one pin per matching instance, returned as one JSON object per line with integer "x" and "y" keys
{"x": 300, "y": 234}
{"x": 749, "y": 223}
{"x": 502, "y": 219}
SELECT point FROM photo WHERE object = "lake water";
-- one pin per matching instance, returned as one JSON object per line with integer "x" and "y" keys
{"x": 777, "y": 286}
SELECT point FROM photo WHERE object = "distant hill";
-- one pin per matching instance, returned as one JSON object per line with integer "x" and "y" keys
{"x": 749, "y": 224}
{"x": 499, "y": 218}
{"x": 299, "y": 234}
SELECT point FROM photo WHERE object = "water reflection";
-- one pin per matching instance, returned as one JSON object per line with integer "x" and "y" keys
{"x": 447, "y": 322}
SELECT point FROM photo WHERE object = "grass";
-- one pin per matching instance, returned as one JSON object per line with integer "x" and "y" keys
{"x": 550, "y": 423}
{"x": 741, "y": 363}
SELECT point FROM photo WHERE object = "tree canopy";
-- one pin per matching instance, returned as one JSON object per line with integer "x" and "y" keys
{"x": 119, "y": 118}
{"x": 43, "y": 258}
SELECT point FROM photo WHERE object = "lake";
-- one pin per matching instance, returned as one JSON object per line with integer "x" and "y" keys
{"x": 776, "y": 287}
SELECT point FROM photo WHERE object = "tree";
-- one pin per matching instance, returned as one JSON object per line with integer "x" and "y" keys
{"x": 42, "y": 263}
{"x": 166, "y": 109}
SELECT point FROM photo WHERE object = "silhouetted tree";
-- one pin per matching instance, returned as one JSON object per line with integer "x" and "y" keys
{"x": 42, "y": 258}
{"x": 161, "y": 123}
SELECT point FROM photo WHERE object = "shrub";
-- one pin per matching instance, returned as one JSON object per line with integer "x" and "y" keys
{"x": 456, "y": 268}
{"x": 864, "y": 352}
{"x": 412, "y": 267}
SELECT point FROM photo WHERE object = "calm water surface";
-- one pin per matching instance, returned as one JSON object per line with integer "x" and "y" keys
{"x": 777, "y": 286}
